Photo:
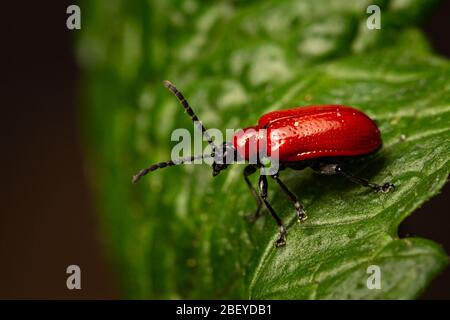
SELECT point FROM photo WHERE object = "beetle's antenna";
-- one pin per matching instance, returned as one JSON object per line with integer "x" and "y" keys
{"x": 190, "y": 112}
{"x": 170, "y": 163}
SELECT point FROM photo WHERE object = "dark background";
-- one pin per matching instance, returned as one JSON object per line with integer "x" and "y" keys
{"x": 47, "y": 218}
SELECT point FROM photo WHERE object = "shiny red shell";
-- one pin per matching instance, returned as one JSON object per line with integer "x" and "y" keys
{"x": 310, "y": 132}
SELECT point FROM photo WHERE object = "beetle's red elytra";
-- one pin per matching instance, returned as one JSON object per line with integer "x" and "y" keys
{"x": 312, "y": 132}
{"x": 322, "y": 137}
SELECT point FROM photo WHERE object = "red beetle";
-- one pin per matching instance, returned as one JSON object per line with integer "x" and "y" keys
{"x": 320, "y": 137}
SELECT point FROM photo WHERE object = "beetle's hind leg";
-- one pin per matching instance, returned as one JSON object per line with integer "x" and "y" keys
{"x": 329, "y": 169}
{"x": 249, "y": 170}
{"x": 263, "y": 186}
{"x": 301, "y": 214}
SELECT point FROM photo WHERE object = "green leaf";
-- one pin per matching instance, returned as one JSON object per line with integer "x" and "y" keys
{"x": 182, "y": 234}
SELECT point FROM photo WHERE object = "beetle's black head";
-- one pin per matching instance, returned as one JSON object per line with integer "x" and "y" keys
{"x": 224, "y": 157}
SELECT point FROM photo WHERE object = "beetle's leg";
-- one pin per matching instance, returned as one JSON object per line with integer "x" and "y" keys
{"x": 301, "y": 214}
{"x": 329, "y": 169}
{"x": 249, "y": 170}
{"x": 281, "y": 241}
{"x": 385, "y": 187}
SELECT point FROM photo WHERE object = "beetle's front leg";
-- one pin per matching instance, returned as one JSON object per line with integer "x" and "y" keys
{"x": 329, "y": 169}
{"x": 250, "y": 169}
{"x": 263, "y": 186}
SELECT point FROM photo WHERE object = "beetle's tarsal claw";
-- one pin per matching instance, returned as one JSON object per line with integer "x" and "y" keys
{"x": 301, "y": 217}
{"x": 281, "y": 241}
{"x": 301, "y": 214}
{"x": 385, "y": 188}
